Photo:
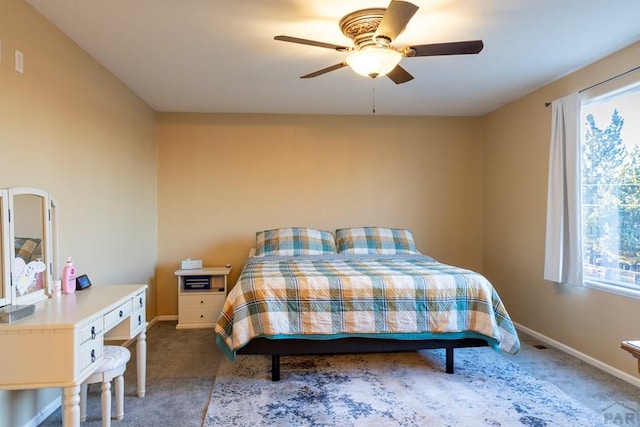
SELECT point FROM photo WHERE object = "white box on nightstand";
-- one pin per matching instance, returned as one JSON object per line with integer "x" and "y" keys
{"x": 189, "y": 264}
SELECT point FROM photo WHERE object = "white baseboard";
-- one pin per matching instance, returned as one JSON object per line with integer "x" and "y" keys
{"x": 167, "y": 317}
{"x": 579, "y": 355}
{"x": 45, "y": 413}
{"x": 150, "y": 323}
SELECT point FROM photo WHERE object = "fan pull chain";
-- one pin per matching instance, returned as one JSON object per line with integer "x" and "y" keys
{"x": 373, "y": 96}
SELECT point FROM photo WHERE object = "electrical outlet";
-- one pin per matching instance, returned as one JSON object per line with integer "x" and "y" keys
{"x": 19, "y": 62}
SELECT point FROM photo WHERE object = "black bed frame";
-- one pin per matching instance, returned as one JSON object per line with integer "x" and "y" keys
{"x": 285, "y": 347}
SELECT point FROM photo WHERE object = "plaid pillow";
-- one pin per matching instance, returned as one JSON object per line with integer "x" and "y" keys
{"x": 294, "y": 241}
{"x": 26, "y": 248}
{"x": 375, "y": 240}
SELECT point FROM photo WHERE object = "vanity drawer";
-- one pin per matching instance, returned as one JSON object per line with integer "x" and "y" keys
{"x": 138, "y": 319}
{"x": 135, "y": 322}
{"x": 91, "y": 331}
{"x": 118, "y": 314}
{"x": 139, "y": 301}
{"x": 91, "y": 354}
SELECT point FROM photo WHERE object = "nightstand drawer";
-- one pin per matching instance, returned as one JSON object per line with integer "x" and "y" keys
{"x": 199, "y": 316}
{"x": 200, "y": 308}
{"x": 188, "y": 302}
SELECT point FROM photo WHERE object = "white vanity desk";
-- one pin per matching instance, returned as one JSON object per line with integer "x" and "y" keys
{"x": 61, "y": 344}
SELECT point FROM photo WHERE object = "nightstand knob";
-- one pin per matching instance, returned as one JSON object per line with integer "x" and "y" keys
{"x": 202, "y": 316}
{"x": 93, "y": 332}
{"x": 201, "y": 302}
{"x": 93, "y": 356}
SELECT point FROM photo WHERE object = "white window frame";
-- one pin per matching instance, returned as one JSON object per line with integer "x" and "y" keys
{"x": 629, "y": 83}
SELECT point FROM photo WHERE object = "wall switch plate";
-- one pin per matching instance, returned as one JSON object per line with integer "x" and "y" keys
{"x": 19, "y": 62}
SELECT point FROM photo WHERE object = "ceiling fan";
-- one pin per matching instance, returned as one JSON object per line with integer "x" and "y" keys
{"x": 373, "y": 31}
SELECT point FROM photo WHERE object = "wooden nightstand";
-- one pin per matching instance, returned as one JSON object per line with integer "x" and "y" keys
{"x": 201, "y": 295}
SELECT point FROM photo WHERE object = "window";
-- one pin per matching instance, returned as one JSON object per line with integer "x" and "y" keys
{"x": 610, "y": 140}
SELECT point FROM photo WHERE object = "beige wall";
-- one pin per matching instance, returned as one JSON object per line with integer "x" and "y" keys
{"x": 221, "y": 178}
{"x": 473, "y": 190}
{"x": 69, "y": 127}
{"x": 515, "y": 167}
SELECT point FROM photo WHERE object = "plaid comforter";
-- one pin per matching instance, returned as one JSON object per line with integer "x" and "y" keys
{"x": 399, "y": 296}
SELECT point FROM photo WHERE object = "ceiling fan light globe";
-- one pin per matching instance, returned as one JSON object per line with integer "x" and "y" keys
{"x": 373, "y": 61}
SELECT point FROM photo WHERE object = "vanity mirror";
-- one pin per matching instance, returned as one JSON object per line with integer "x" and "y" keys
{"x": 28, "y": 245}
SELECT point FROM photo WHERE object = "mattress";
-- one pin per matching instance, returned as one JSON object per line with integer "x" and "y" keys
{"x": 399, "y": 297}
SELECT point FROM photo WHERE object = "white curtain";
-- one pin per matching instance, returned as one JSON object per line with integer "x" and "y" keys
{"x": 563, "y": 250}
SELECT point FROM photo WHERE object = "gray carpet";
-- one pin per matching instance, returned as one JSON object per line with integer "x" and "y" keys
{"x": 182, "y": 365}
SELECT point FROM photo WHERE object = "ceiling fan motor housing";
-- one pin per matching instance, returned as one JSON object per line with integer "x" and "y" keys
{"x": 361, "y": 25}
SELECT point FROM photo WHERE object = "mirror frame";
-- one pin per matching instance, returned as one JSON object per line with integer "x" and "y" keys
{"x": 49, "y": 246}
{"x": 5, "y": 246}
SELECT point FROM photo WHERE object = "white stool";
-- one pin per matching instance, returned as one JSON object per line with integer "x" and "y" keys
{"x": 113, "y": 366}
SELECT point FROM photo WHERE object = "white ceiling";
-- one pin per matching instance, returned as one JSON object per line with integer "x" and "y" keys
{"x": 220, "y": 56}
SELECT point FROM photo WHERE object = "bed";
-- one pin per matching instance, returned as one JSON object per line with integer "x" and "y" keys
{"x": 367, "y": 289}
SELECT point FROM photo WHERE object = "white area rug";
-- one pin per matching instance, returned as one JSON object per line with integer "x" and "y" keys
{"x": 394, "y": 389}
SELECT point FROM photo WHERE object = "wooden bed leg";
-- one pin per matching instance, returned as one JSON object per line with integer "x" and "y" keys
{"x": 449, "y": 360}
{"x": 275, "y": 367}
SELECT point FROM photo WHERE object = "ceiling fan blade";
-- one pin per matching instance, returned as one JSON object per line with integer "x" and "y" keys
{"x": 394, "y": 21}
{"x": 454, "y": 48}
{"x": 399, "y": 75}
{"x": 324, "y": 70}
{"x": 312, "y": 43}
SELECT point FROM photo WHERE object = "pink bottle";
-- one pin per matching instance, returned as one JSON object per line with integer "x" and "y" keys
{"x": 68, "y": 278}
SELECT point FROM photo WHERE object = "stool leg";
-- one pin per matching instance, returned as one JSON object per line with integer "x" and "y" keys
{"x": 106, "y": 404}
{"x": 83, "y": 402}
{"x": 119, "y": 380}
